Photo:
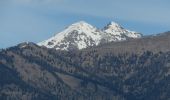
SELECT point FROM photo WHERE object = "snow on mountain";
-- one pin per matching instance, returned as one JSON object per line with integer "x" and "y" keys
{"x": 79, "y": 35}
{"x": 117, "y": 33}
{"x": 82, "y": 35}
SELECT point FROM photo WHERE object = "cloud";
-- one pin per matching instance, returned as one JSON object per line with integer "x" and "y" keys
{"x": 139, "y": 10}
{"x": 37, "y": 1}
{"x": 153, "y": 11}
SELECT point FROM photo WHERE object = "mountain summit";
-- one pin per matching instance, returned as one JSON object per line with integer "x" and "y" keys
{"x": 117, "y": 32}
{"x": 81, "y": 35}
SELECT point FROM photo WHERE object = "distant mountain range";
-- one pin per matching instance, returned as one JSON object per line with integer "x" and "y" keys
{"x": 85, "y": 63}
{"x": 81, "y": 35}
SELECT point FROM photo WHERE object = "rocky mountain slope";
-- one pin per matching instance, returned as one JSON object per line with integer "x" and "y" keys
{"x": 135, "y": 69}
{"x": 81, "y": 35}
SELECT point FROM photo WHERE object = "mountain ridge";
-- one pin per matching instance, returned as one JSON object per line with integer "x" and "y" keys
{"x": 81, "y": 35}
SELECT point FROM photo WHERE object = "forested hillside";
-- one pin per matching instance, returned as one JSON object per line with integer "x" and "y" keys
{"x": 135, "y": 69}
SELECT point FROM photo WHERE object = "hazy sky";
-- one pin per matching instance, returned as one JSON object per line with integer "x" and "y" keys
{"x": 36, "y": 20}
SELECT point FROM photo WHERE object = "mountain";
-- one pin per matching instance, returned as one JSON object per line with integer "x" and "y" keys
{"x": 135, "y": 69}
{"x": 81, "y": 35}
{"x": 115, "y": 32}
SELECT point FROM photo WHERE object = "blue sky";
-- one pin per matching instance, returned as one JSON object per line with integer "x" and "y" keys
{"x": 37, "y": 20}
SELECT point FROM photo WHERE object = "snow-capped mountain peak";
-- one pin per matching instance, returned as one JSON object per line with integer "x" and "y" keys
{"x": 112, "y": 25}
{"x": 81, "y": 25}
{"x": 119, "y": 33}
{"x": 82, "y": 35}
{"x": 76, "y": 36}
